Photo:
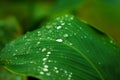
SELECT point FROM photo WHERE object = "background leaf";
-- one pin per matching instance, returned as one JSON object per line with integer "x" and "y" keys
{"x": 102, "y": 14}
{"x": 9, "y": 30}
{"x": 64, "y": 49}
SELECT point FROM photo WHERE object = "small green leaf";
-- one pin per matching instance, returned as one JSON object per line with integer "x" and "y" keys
{"x": 64, "y": 49}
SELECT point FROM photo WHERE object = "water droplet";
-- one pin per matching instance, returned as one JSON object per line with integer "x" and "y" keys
{"x": 38, "y": 43}
{"x": 47, "y": 55}
{"x": 55, "y": 68}
{"x": 59, "y": 27}
{"x": 49, "y": 60}
{"x": 62, "y": 23}
{"x": 48, "y": 74}
{"x": 42, "y": 73}
{"x": 65, "y": 35}
{"x": 31, "y": 61}
{"x": 45, "y": 66}
{"x": 71, "y": 44}
{"x": 48, "y": 37}
{"x": 49, "y": 52}
{"x": 44, "y": 59}
{"x": 44, "y": 49}
{"x": 65, "y": 71}
{"x": 45, "y": 69}
{"x": 59, "y": 40}
{"x": 57, "y": 71}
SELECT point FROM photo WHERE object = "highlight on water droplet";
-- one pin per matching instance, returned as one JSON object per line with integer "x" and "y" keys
{"x": 45, "y": 69}
{"x": 59, "y": 40}
{"x": 48, "y": 52}
{"x": 44, "y": 49}
{"x": 65, "y": 35}
{"x": 59, "y": 27}
{"x": 38, "y": 43}
{"x": 62, "y": 24}
{"x": 44, "y": 59}
{"x": 45, "y": 66}
{"x": 41, "y": 72}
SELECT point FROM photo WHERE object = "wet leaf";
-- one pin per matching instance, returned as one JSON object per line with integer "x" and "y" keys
{"x": 6, "y": 75}
{"x": 64, "y": 49}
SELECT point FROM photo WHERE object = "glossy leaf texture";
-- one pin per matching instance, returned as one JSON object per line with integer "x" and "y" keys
{"x": 64, "y": 49}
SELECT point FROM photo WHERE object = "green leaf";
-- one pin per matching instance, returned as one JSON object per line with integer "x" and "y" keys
{"x": 6, "y": 75}
{"x": 64, "y": 49}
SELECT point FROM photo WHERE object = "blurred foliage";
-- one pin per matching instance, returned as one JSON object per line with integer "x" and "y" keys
{"x": 9, "y": 30}
{"x": 104, "y": 15}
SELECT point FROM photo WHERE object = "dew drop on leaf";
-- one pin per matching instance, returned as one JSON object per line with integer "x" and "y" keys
{"x": 45, "y": 69}
{"x": 59, "y": 40}
{"x": 55, "y": 67}
{"x": 48, "y": 74}
{"x": 46, "y": 66}
{"x": 38, "y": 43}
{"x": 62, "y": 23}
{"x": 57, "y": 71}
{"x": 58, "y": 27}
{"x": 41, "y": 72}
{"x": 44, "y": 49}
{"x": 48, "y": 53}
{"x": 44, "y": 59}
{"x": 65, "y": 35}
{"x": 70, "y": 43}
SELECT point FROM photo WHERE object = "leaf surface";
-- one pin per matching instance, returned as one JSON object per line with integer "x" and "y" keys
{"x": 64, "y": 49}
{"x": 6, "y": 75}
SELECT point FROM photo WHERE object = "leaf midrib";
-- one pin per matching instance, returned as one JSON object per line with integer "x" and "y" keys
{"x": 78, "y": 50}
{"x": 92, "y": 64}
